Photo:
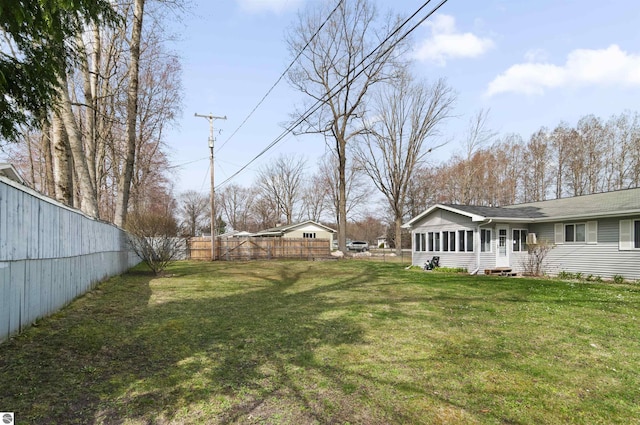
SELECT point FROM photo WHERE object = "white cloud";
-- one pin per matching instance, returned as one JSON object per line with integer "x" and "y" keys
{"x": 446, "y": 42}
{"x": 536, "y": 55}
{"x": 276, "y": 6}
{"x": 610, "y": 66}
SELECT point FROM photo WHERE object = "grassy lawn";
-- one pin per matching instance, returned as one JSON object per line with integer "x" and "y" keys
{"x": 341, "y": 342}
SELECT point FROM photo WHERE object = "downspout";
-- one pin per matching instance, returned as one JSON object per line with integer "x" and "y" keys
{"x": 488, "y": 221}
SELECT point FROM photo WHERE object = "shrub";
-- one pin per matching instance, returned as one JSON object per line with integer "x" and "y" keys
{"x": 565, "y": 275}
{"x": 533, "y": 263}
{"x": 153, "y": 236}
{"x": 618, "y": 279}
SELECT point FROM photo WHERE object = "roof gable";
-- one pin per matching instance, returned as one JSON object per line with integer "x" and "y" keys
{"x": 280, "y": 230}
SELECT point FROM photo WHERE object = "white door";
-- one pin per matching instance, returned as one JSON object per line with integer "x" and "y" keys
{"x": 502, "y": 247}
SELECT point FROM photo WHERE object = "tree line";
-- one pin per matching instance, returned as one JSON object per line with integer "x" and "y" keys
{"x": 595, "y": 155}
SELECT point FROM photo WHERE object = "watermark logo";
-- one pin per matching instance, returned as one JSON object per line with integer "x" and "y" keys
{"x": 7, "y": 418}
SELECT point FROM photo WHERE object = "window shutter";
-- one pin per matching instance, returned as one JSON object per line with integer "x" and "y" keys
{"x": 592, "y": 232}
{"x": 558, "y": 230}
{"x": 626, "y": 241}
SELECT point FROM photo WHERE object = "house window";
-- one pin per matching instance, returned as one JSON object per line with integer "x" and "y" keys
{"x": 306, "y": 236}
{"x": 519, "y": 240}
{"x": 469, "y": 240}
{"x": 575, "y": 232}
{"x": 452, "y": 241}
{"x": 636, "y": 234}
{"x": 430, "y": 235}
{"x": 436, "y": 241}
{"x": 461, "y": 240}
{"x": 420, "y": 242}
{"x": 445, "y": 241}
{"x": 485, "y": 240}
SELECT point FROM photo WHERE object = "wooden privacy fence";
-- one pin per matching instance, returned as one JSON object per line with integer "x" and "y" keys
{"x": 229, "y": 249}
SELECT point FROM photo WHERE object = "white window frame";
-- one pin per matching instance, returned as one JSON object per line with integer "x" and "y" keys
{"x": 590, "y": 232}
{"x": 627, "y": 240}
{"x": 519, "y": 242}
{"x": 309, "y": 235}
{"x": 469, "y": 241}
{"x": 420, "y": 242}
{"x": 575, "y": 232}
{"x": 484, "y": 243}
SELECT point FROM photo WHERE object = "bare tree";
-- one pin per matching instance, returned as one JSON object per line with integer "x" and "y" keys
{"x": 193, "y": 212}
{"x": 281, "y": 180}
{"x": 236, "y": 203}
{"x": 537, "y": 176}
{"x": 358, "y": 189}
{"x": 314, "y": 195}
{"x": 560, "y": 141}
{"x": 336, "y": 70}
{"x": 408, "y": 116}
{"x": 124, "y": 183}
{"x": 477, "y": 136}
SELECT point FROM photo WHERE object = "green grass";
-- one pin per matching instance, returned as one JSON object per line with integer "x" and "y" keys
{"x": 340, "y": 342}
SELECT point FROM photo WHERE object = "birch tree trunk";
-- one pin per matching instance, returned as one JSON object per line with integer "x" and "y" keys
{"x": 62, "y": 162}
{"x": 88, "y": 197}
{"x": 124, "y": 184}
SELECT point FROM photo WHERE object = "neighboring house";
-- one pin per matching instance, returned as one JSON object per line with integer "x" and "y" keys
{"x": 595, "y": 235}
{"x": 307, "y": 229}
{"x": 7, "y": 170}
{"x": 234, "y": 234}
{"x": 381, "y": 242}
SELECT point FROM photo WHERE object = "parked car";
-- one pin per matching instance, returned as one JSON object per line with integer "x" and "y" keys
{"x": 358, "y": 246}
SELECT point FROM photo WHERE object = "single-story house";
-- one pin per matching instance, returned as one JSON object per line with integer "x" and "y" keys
{"x": 307, "y": 229}
{"x": 234, "y": 234}
{"x": 596, "y": 235}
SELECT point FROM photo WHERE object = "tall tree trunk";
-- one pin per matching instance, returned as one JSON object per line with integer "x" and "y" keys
{"x": 49, "y": 183}
{"x": 124, "y": 184}
{"x": 88, "y": 198}
{"x": 62, "y": 162}
{"x": 342, "y": 194}
{"x": 398, "y": 226}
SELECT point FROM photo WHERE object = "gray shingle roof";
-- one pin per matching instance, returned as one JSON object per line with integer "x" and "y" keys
{"x": 607, "y": 203}
{"x": 501, "y": 212}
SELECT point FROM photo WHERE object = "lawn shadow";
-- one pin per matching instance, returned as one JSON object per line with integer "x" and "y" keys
{"x": 117, "y": 355}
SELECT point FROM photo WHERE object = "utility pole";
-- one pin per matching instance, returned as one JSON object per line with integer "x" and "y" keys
{"x": 211, "y": 117}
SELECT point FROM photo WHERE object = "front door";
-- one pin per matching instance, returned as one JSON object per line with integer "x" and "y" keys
{"x": 502, "y": 251}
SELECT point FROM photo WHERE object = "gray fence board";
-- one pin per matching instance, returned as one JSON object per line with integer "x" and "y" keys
{"x": 49, "y": 255}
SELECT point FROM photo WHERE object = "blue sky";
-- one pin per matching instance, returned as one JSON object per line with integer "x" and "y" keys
{"x": 531, "y": 64}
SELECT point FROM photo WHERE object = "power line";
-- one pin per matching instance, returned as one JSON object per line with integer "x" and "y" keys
{"x": 312, "y": 109}
{"x": 282, "y": 75}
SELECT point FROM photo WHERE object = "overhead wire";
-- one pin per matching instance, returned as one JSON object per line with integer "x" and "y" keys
{"x": 282, "y": 75}
{"x": 312, "y": 109}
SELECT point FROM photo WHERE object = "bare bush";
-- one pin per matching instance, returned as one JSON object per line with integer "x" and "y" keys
{"x": 533, "y": 263}
{"x": 153, "y": 236}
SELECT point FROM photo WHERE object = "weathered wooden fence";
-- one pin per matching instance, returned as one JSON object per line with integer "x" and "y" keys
{"x": 230, "y": 249}
{"x": 49, "y": 255}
